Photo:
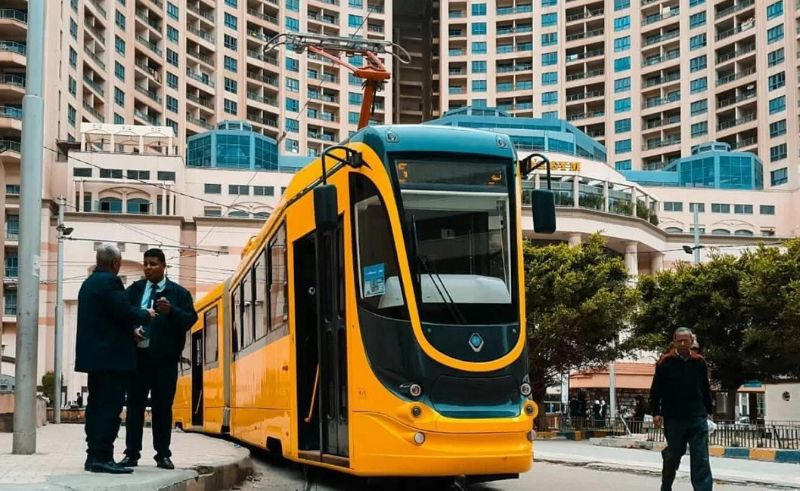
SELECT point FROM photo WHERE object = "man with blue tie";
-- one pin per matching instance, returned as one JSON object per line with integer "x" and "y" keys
{"x": 157, "y": 354}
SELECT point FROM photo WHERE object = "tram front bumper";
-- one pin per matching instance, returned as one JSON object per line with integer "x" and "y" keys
{"x": 382, "y": 446}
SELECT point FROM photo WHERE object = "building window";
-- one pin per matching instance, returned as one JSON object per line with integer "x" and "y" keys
{"x": 119, "y": 71}
{"x": 777, "y": 81}
{"x": 698, "y": 85}
{"x": 231, "y": 107}
{"x": 774, "y": 10}
{"x": 549, "y": 78}
{"x": 173, "y": 34}
{"x": 172, "y": 80}
{"x": 697, "y": 20}
{"x": 172, "y": 124}
{"x": 701, "y": 207}
{"x": 622, "y": 85}
{"x": 354, "y": 21}
{"x": 673, "y": 206}
{"x": 119, "y": 45}
{"x": 549, "y": 98}
{"x": 172, "y": 10}
{"x": 172, "y": 104}
{"x": 72, "y": 85}
{"x": 354, "y": 97}
{"x": 549, "y": 59}
{"x": 549, "y": 19}
{"x": 549, "y": 3}
{"x": 699, "y": 129}
{"x": 777, "y": 104}
{"x": 292, "y": 104}
{"x": 479, "y": 48}
{"x": 621, "y": 4}
{"x": 698, "y": 63}
{"x": 231, "y": 42}
{"x": 622, "y": 64}
{"x": 119, "y": 97}
{"x": 777, "y": 153}
{"x": 743, "y": 209}
{"x": 777, "y": 128}
{"x": 549, "y": 38}
{"x": 622, "y": 146}
{"x": 263, "y": 191}
{"x": 118, "y": 119}
{"x": 697, "y": 42}
{"x": 111, "y": 174}
{"x": 231, "y": 85}
{"x": 479, "y": 28}
{"x": 695, "y": 3}
{"x": 478, "y": 9}
{"x": 230, "y": 64}
{"x": 775, "y": 57}
{"x": 478, "y": 67}
{"x": 775, "y": 34}
{"x": 293, "y": 146}
{"x": 766, "y": 209}
{"x": 622, "y": 44}
{"x": 73, "y": 57}
{"x": 73, "y": 29}
{"x": 212, "y": 211}
{"x": 292, "y": 125}
{"x": 119, "y": 19}
{"x": 623, "y": 165}
{"x": 238, "y": 189}
{"x": 71, "y": 113}
{"x": 779, "y": 176}
{"x": 622, "y": 105}
{"x": 294, "y": 5}
{"x": 292, "y": 24}
{"x": 622, "y": 125}
{"x": 292, "y": 85}
{"x": 231, "y": 21}
{"x": 699, "y": 107}
{"x": 720, "y": 208}
{"x": 622, "y": 23}
{"x": 165, "y": 175}
{"x": 292, "y": 65}
{"x": 172, "y": 57}
{"x": 479, "y": 85}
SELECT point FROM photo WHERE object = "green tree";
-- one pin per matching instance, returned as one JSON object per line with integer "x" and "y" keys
{"x": 48, "y": 386}
{"x": 577, "y": 302}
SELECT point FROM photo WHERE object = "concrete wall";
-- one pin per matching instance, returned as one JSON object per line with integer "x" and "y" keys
{"x": 778, "y": 409}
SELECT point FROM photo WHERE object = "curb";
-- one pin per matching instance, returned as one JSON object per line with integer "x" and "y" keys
{"x": 759, "y": 454}
{"x": 216, "y": 478}
{"x": 573, "y": 435}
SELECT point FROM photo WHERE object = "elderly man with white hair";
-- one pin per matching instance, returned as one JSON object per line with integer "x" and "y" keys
{"x": 105, "y": 350}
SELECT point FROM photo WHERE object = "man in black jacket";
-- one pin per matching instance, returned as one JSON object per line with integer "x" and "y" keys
{"x": 157, "y": 356}
{"x": 105, "y": 351}
{"x": 681, "y": 397}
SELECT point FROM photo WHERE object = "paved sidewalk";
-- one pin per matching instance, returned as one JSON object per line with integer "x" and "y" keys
{"x": 785, "y": 476}
{"x": 202, "y": 463}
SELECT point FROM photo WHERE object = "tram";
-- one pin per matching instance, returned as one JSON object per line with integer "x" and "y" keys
{"x": 376, "y": 323}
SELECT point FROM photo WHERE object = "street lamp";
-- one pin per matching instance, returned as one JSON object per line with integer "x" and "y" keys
{"x": 63, "y": 233}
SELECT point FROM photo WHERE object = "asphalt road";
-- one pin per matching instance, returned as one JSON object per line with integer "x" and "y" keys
{"x": 283, "y": 476}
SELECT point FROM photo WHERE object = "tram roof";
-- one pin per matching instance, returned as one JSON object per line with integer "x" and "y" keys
{"x": 385, "y": 139}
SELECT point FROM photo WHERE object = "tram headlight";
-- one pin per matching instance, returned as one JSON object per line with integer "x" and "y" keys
{"x": 531, "y": 435}
{"x": 419, "y": 438}
{"x": 415, "y": 390}
{"x": 525, "y": 389}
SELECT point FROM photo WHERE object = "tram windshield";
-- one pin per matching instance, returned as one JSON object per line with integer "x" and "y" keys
{"x": 458, "y": 226}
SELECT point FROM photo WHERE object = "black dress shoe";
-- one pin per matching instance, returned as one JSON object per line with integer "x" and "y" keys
{"x": 108, "y": 467}
{"x": 128, "y": 462}
{"x": 165, "y": 463}
{"x": 88, "y": 464}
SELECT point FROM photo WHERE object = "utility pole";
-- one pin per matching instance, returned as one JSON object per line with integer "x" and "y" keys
{"x": 612, "y": 390}
{"x": 30, "y": 236}
{"x": 696, "y": 234}
{"x": 59, "y": 334}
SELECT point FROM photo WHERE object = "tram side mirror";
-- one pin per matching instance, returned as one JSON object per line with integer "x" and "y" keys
{"x": 543, "y": 202}
{"x": 326, "y": 208}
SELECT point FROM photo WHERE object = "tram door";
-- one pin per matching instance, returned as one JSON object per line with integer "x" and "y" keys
{"x": 197, "y": 378}
{"x": 332, "y": 342}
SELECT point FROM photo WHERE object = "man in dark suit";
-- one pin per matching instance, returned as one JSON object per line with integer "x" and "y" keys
{"x": 157, "y": 358}
{"x": 105, "y": 351}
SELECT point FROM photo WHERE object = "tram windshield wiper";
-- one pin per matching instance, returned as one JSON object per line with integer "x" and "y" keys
{"x": 441, "y": 288}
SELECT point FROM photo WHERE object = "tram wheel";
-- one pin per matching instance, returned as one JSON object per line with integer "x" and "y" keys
{"x": 459, "y": 484}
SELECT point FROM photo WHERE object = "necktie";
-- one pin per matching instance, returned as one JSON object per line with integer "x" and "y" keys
{"x": 150, "y": 300}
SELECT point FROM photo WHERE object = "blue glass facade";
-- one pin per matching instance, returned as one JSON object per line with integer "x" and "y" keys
{"x": 711, "y": 165}
{"x": 527, "y": 134}
{"x": 233, "y": 145}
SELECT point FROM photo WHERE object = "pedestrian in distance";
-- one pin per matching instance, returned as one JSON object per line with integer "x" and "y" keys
{"x": 157, "y": 355}
{"x": 680, "y": 398}
{"x": 79, "y": 400}
{"x": 105, "y": 352}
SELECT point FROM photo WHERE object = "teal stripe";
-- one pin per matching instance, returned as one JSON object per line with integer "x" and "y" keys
{"x": 788, "y": 456}
{"x": 737, "y": 453}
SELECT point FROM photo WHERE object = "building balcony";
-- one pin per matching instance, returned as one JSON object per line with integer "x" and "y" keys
{"x": 585, "y": 115}
{"x": 149, "y": 119}
{"x": 95, "y": 114}
{"x": 203, "y": 101}
{"x": 584, "y": 75}
{"x": 263, "y": 16}
{"x": 652, "y": 82}
{"x": 664, "y": 37}
{"x": 150, "y": 45}
{"x": 13, "y": 22}
{"x": 730, "y": 123}
{"x": 201, "y": 77}
{"x": 585, "y": 95}
{"x": 98, "y": 8}
{"x": 94, "y": 86}
{"x": 145, "y": 67}
{"x": 734, "y": 100}
{"x": 12, "y": 84}
{"x": 584, "y": 35}
{"x": 201, "y": 57}
{"x": 12, "y": 146}
{"x": 13, "y": 47}
{"x": 662, "y": 122}
{"x": 585, "y": 15}
{"x": 155, "y": 24}
{"x": 652, "y": 19}
{"x": 746, "y": 26}
{"x": 149, "y": 93}
{"x": 95, "y": 59}
{"x": 667, "y": 142}
{"x": 660, "y": 101}
{"x": 269, "y": 80}
{"x": 735, "y": 54}
{"x": 570, "y": 58}
{"x": 734, "y": 8}
{"x": 254, "y": 96}
{"x": 736, "y": 76}
{"x": 205, "y": 36}
{"x": 661, "y": 59}
{"x": 209, "y": 16}
{"x": 203, "y": 123}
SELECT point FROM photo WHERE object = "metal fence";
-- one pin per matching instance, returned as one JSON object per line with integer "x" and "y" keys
{"x": 778, "y": 434}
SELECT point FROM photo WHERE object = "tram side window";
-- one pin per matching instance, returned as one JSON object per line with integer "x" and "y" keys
{"x": 247, "y": 310}
{"x": 262, "y": 289}
{"x": 186, "y": 354}
{"x": 210, "y": 332}
{"x": 278, "y": 284}
{"x": 380, "y": 287}
{"x": 235, "y": 320}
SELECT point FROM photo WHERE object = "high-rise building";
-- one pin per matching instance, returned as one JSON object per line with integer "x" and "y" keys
{"x": 648, "y": 79}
